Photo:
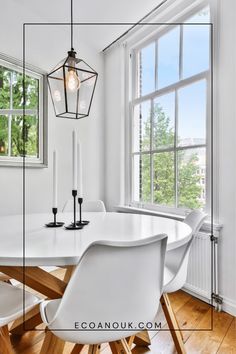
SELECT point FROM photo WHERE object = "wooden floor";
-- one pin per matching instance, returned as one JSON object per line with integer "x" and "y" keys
{"x": 194, "y": 317}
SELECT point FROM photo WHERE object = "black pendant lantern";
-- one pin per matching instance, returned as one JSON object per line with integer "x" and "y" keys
{"x": 72, "y": 83}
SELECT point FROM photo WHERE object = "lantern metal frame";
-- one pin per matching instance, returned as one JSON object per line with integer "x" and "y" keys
{"x": 66, "y": 65}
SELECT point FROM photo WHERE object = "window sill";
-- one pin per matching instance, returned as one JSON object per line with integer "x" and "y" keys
{"x": 127, "y": 209}
{"x": 20, "y": 164}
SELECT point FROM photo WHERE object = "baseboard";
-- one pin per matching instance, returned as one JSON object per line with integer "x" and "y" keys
{"x": 229, "y": 306}
{"x": 199, "y": 295}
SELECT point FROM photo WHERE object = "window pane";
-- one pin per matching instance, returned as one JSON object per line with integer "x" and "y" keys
{"x": 168, "y": 58}
{"x": 146, "y": 74}
{"x": 196, "y": 44}
{"x": 142, "y": 180}
{"x": 192, "y": 114}
{"x": 31, "y": 91}
{"x": 3, "y": 135}
{"x": 164, "y": 121}
{"x": 163, "y": 179}
{"x": 191, "y": 173}
{"x": 31, "y": 135}
{"x": 5, "y": 78}
{"x": 142, "y": 124}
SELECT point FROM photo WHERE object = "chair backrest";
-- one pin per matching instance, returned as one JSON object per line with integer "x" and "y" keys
{"x": 195, "y": 220}
{"x": 88, "y": 205}
{"x": 177, "y": 259}
{"x": 114, "y": 282}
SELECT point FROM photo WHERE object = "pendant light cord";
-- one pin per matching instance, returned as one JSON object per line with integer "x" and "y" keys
{"x": 71, "y": 24}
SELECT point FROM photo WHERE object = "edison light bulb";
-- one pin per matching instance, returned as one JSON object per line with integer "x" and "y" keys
{"x": 72, "y": 81}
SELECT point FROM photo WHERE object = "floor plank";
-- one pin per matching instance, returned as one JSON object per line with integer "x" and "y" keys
{"x": 179, "y": 299}
{"x": 208, "y": 342}
{"x": 189, "y": 316}
{"x": 228, "y": 346}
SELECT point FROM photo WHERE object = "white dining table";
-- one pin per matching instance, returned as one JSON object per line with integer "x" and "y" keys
{"x": 23, "y": 255}
{"x": 43, "y": 246}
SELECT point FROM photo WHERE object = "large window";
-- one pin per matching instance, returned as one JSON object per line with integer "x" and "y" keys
{"x": 170, "y": 111}
{"x": 11, "y": 115}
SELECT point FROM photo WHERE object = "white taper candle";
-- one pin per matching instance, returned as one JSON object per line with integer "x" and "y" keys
{"x": 74, "y": 160}
{"x": 54, "y": 197}
{"x": 80, "y": 178}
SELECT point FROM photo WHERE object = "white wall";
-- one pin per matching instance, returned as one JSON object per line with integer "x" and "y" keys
{"x": 225, "y": 110}
{"x": 114, "y": 127}
{"x": 227, "y": 149}
{"x": 45, "y": 47}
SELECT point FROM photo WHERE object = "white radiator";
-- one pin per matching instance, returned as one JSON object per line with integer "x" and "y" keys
{"x": 199, "y": 267}
{"x": 202, "y": 270}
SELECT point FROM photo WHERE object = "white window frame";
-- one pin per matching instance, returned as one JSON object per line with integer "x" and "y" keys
{"x": 41, "y": 160}
{"x": 131, "y": 46}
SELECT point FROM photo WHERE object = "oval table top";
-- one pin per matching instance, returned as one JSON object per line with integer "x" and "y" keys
{"x": 60, "y": 247}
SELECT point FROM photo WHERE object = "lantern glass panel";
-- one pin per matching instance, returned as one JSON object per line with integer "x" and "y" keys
{"x": 85, "y": 94}
{"x": 56, "y": 84}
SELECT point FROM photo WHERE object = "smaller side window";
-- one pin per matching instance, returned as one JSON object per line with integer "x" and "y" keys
{"x": 12, "y": 145}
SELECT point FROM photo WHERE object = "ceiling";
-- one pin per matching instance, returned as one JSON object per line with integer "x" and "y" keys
{"x": 19, "y": 11}
{"x": 45, "y": 45}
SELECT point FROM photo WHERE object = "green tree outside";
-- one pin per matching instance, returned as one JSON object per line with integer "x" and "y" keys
{"x": 13, "y": 98}
{"x": 188, "y": 185}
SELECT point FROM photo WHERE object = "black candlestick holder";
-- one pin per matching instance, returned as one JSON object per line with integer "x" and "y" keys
{"x": 73, "y": 225}
{"x": 55, "y": 223}
{"x": 81, "y": 222}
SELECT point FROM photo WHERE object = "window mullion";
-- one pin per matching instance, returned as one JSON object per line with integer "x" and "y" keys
{"x": 175, "y": 150}
{"x": 151, "y": 148}
{"x": 181, "y": 53}
{"x": 10, "y": 115}
{"x": 156, "y": 65}
{"x": 165, "y": 90}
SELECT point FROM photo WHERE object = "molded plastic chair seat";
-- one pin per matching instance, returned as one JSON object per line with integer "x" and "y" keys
{"x": 11, "y": 303}
{"x": 113, "y": 282}
{"x": 11, "y": 308}
{"x": 88, "y": 205}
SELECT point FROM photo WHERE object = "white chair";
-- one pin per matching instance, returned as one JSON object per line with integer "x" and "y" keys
{"x": 88, "y": 205}
{"x": 114, "y": 282}
{"x": 176, "y": 262}
{"x": 175, "y": 275}
{"x": 11, "y": 308}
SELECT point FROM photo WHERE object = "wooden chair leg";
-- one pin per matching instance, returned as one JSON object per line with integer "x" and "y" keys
{"x": 142, "y": 339}
{"x": 52, "y": 344}
{"x": 5, "y": 343}
{"x": 130, "y": 340}
{"x": 120, "y": 347}
{"x": 77, "y": 349}
{"x": 177, "y": 326}
{"x": 173, "y": 324}
{"x": 94, "y": 349}
{"x": 68, "y": 273}
{"x": 31, "y": 320}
